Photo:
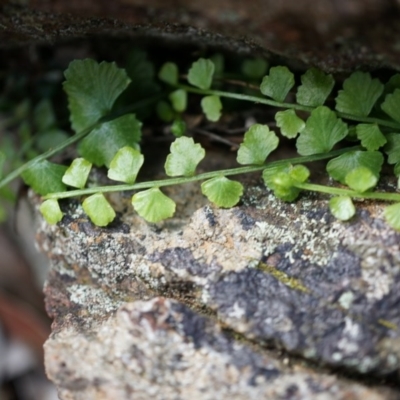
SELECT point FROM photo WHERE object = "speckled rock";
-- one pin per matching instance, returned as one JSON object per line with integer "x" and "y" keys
{"x": 284, "y": 275}
{"x": 160, "y": 349}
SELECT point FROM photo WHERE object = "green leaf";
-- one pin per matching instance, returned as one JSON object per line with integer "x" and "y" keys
{"x": 391, "y": 105}
{"x": 143, "y": 85}
{"x": 277, "y": 84}
{"x": 165, "y": 111}
{"x": 361, "y": 179}
{"x": 258, "y": 143}
{"x": 201, "y": 73}
{"x": 45, "y": 177}
{"x": 92, "y": 89}
{"x": 282, "y": 180}
{"x": 322, "y": 131}
{"x": 340, "y": 166}
{"x": 125, "y": 165}
{"x": 392, "y": 84}
{"x": 179, "y": 100}
{"x": 219, "y": 63}
{"x": 98, "y": 209}
{"x": 169, "y": 73}
{"x": 254, "y": 68}
{"x": 153, "y": 205}
{"x": 299, "y": 173}
{"x": 211, "y": 106}
{"x": 282, "y": 185}
{"x": 392, "y": 215}
{"x": 342, "y": 207}
{"x": 397, "y": 169}
{"x": 51, "y": 211}
{"x": 222, "y": 191}
{"x": 100, "y": 146}
{"x": 289, "y": 123}
{"x": 184, "y": 157}
{"x": 77, "y": 173}
{"x": 315, "y": 88}
{"x": 370, "y": 136}
{"x": 178, "y": 127}
{"x": 359, "y": 94}
{"x": 43, "y": 116}
{"x": 392, "y": 147}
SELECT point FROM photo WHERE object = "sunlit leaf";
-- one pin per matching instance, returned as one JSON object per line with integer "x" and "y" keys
{"x": 222, "y": 191}
{"x": 184, "y": 157}
{"x": 45, "y": 177}
{"x": 258, "y": 143}
{"x": 392, "y": 147}
{"x": 370, "y": 136}
{"x": 391, "y": 105}
{"x": 98, "y": 209}
{"x": 340, "y": 166}
{"x": 201, "y": 73}
{"x": 100, "y": 146}
{"x": 361, "y": 179}
{"x": 125, "y": 165}
{"x": 359, "y": 94}
{"x": 392, "y": 215}
{"x": 51, "y": 211}
{"x": 92, "y": 89}
{"x": 299, "y": 173}
{"x": 254, "y": 68}
{"x": 278, "y": 83}
{"x": 342, "y": 207}
{"x": 179, "y": 100}
{"x": 211, "y": 106}
{"x": 289, "y": 123}
{"x": 282, "y": 179}
{"x": 322, "y": 131}
{"x": 77, "y": 173}
{"x": 315, "y": 88}
{"x": 282, "y": 185}
{"x": 153, "y": 205}
{"x": 169, "y": 73}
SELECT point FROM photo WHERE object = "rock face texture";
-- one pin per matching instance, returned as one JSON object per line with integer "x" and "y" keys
{"x": 274, "y": 275}
{"x": 334, "y": 35}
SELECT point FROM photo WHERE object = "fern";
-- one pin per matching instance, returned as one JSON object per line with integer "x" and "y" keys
{"x": 108, "y": 138}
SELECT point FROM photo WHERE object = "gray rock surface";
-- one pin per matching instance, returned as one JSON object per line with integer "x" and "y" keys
{"x": 283, "y": 275}
{"x": 160, "y": 349}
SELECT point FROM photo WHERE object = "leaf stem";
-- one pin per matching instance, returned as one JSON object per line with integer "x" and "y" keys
{"x": 206, "y": 175}
{"x": 73, "y": 139}
{"x": 14, "y": 174}
{"x": 294, "y": 106}
{"x": 347, "y": 192}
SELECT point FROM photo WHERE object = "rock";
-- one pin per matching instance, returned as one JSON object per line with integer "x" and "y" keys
{"x": 334, "y": 35}
{"x": 160, "y": 349}
{"x": 284, "y": 275}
